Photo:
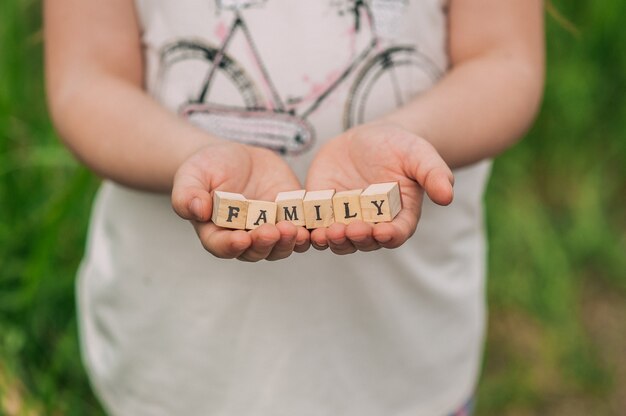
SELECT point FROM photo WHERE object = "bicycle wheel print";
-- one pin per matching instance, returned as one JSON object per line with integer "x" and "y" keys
{"x": 224, "y": 101}
{"x": 402, "y": 69}
{"x": 183, "y": 70}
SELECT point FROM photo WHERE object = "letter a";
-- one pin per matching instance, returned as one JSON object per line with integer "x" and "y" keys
{"x": 262, "y": 216}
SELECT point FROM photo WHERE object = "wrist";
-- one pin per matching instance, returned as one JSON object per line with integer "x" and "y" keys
{"x": 405, "y": 122}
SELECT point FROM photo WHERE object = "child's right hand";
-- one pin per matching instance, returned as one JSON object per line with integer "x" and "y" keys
{"x": 254, "y": 172}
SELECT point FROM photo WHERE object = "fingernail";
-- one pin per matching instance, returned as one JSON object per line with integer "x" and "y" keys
{"x": 359, "y": 239}
{"x": 196, "y": 208}
{"x": 384, "y": 239}
{"x": 240, "y": 245}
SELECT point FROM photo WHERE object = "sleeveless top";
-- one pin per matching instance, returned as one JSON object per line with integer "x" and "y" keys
{"x": 167, "y": 329}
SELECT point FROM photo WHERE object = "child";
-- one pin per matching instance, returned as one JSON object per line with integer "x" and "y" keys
{"x": 170, "y": 100}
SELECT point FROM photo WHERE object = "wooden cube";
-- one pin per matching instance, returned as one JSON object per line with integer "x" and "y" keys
{"x": 318, "y": 208}
{"x": 259, "y": 213}
{"x": 381, "y": 202}
{"x": 290, "y": 207}
{"x": 347, "y": 206}
{"x": 229, "y": 210}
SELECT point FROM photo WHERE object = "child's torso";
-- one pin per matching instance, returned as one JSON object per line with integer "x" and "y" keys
{"x": 168, "y": 329}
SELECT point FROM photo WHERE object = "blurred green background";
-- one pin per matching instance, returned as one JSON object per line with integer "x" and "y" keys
{"x": 557, "y": 226}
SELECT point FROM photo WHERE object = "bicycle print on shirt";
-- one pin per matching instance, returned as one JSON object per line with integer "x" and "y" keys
{"x": 262, "y": 116}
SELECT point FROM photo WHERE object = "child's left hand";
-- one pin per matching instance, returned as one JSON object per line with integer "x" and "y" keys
{"x": 373, "y": 153}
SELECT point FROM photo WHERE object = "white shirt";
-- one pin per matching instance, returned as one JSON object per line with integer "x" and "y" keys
{"x": 169, "y": 330}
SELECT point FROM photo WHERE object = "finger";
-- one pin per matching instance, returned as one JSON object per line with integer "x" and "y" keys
{"x": 425, "y": 166}
{"x": 222, "y": 243}
{"x": 337, "y": 240}
{"x": 191, "y": 200}
{"x": 394, "y": 234}
{"x": 360, "y": 234}
{"x": 318, "y": 239}
{"x": 263, "y": 239}
{"x": 303, "y": 240}
{"x": 285, "y": 245}
{"x": 438, "y": 185}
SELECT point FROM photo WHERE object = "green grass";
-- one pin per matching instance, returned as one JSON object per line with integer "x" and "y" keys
{"x": 44, "y": 204}
{"x": 557, "y": 228}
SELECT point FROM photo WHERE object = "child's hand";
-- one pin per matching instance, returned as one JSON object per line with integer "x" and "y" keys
{"x": 258, "y": 174}
{"x": 374, "y": 153}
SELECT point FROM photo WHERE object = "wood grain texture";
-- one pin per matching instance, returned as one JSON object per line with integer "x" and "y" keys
{"x": 259, "y": 213}
{"x": 318, "y": 209}
{"x": 290, "y": 207}
{"x": 230, "y": 210}
{"x": 381, "y": 202}
{"x": 347, "y": 206}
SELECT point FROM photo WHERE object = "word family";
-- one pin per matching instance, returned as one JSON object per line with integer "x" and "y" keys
{"x": 380, "y": 202}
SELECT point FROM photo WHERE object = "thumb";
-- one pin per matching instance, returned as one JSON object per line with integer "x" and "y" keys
{"x": 191, "y": 199}
{"x": 424, "y": 165}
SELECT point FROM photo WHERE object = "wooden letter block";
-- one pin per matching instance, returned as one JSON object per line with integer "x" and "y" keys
{"x": 381, "y": 202}
{"x": 289, "y": 207}
{"x": 318, "y": 209}
{"x": 347, "y": 206}
{"x": 259, "y": 213}
{"x": 229, "y": 210}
